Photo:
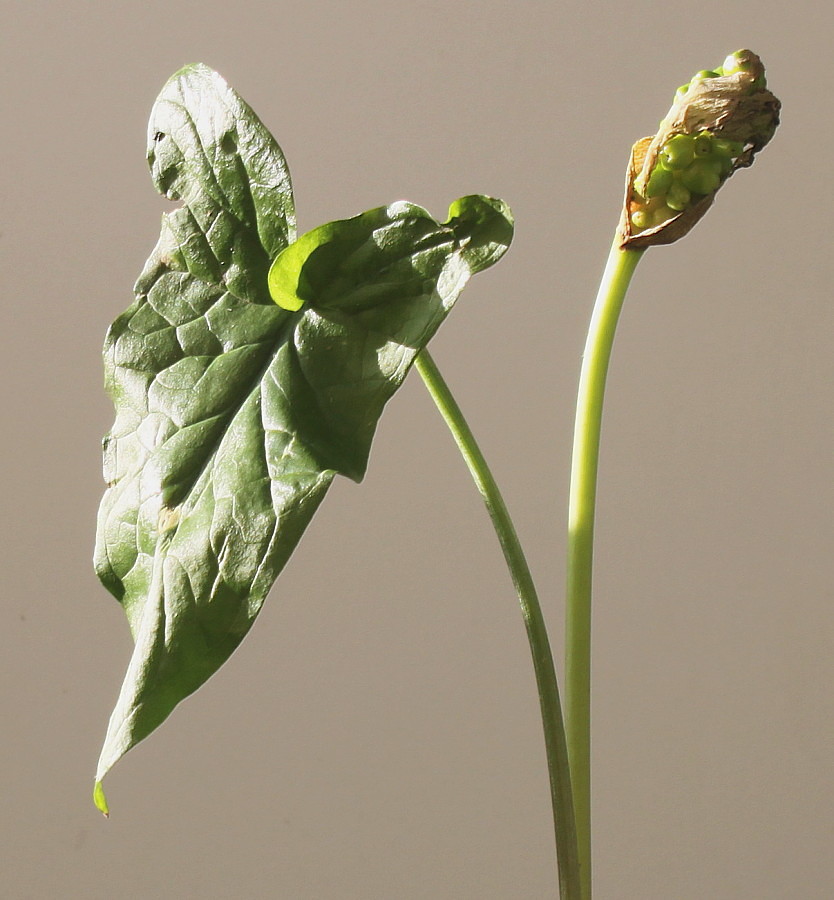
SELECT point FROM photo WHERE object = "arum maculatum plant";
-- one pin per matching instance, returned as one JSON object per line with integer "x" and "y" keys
{"x": 717, "y": 124}
{"x": 253, "y": 367}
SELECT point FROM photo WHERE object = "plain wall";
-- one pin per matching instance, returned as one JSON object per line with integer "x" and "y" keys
{"x": 377, "y": 734}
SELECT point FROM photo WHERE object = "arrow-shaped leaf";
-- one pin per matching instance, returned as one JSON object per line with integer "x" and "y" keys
{"x": 233, "y": 413}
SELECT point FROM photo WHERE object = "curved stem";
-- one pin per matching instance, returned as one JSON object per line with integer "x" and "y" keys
{"x": 551, "y": 710}
{"x": 583, "y": 486}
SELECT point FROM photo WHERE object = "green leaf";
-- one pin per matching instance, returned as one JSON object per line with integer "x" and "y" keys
{"x": 232, "y": 414}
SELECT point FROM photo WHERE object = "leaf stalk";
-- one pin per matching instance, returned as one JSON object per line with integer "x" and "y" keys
{"x": 545, "y": 672}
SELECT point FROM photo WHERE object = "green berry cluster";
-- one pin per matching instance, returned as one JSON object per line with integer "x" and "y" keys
{"x": 719, "y": 120}
{"x": 688, "y": 167}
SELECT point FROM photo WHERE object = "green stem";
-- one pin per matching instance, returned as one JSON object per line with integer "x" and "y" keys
{"x": 551, "y": 710}
{"x": 583, "y": 488}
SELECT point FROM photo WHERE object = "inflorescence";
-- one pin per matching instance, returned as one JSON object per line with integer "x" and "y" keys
{"x": 691, "y": 165}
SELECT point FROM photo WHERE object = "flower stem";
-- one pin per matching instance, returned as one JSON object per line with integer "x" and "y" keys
{"x": 551, "y": 710}
{"x": 612, "y": 290}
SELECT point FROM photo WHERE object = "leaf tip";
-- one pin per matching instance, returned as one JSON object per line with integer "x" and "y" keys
{"x": 100, "y": 800}
{"x": 484, "y": 225}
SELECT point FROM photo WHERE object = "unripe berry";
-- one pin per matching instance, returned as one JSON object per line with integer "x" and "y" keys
{"x": 702, "y": 177}
{"x": 734, "y": 63}
{"x": 659, "y": 181}
{"x": 661, "y": 215}
{"x": 678, "y": 197}
{"x": 744, "y": 61}
{"x": 678, "y": 152}
{"x": 703, "y": 145}
{"x": 724, "y": 147}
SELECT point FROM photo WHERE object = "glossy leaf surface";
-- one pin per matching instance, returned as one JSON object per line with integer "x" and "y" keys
{"x": 233, "y": 414}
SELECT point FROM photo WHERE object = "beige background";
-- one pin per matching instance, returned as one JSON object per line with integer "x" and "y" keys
{"x": 377, "y": 735}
